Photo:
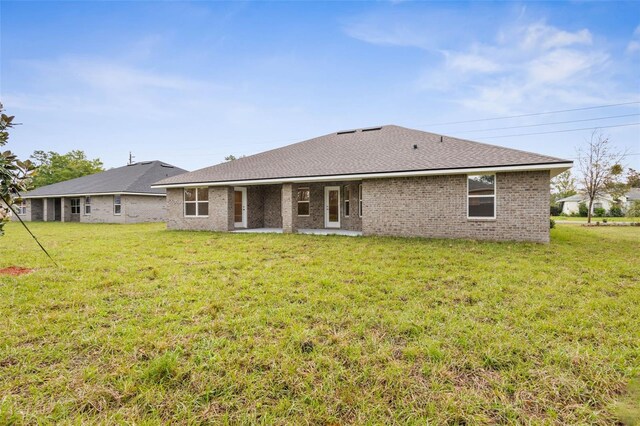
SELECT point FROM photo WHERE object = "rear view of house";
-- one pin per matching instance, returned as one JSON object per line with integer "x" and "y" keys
{"x": 119, "y": 195}
{"x": 385, "y": 180}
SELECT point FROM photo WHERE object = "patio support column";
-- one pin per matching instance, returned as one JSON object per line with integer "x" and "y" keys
{"x": 45, "y": 210}
{"x": 288, "y": 200}
{"x": 61, "y": 209}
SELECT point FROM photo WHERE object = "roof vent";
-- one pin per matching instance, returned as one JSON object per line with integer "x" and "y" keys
{"x": 372, "y": 129}
{"x": 168, "y": 166}
{"x": 441, "y": 139}
{"x": 415, "y": 146}
{"x": 344, "y": 132}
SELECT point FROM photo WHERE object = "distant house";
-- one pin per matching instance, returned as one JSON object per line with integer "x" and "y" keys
{"x": 386, "y": 180}
{"x": 570, "y": 205}
{"x": 119, "y": 195}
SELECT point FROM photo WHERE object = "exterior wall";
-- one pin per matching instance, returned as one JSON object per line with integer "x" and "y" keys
{"x": 315, "y": 220}
{"x": 220, "y": 211}
{"x": 255, "y": 207}
{"x": 272, "y": 202}
{"x": 135, "y": 209}
{"x": 571, "y": 207}
{"x": 436, "y": 207}
{"x": 102, "y": 210}
{"x": 288, "y": 200}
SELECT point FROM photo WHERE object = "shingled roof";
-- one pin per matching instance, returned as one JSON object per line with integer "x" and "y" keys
{"x": 379, "y": 150}
{"x": 131, "y": 179}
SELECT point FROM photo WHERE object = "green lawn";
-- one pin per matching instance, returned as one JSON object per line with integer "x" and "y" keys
{"x": 141, "y": 325}
{"x": 597, "y": 219}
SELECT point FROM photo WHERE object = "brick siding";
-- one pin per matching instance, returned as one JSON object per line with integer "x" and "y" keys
{"x": 436, "y": 206}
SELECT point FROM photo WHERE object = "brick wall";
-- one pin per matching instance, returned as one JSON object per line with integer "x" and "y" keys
{"x": 436, "y": 206}
{"x": 315, "y": 220}
{"x": 220, "y": 211}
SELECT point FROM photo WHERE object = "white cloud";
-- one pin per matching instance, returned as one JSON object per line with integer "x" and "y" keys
{"x": 634, "y": 44}
{"x": 471, "y": 62}
{"x": 545, "y": 37}
{"x": 560, "y": 65}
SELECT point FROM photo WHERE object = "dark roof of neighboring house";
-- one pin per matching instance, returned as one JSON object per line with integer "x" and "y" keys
{"x": 133, "y": 178}
{"x": 384, "y": 149}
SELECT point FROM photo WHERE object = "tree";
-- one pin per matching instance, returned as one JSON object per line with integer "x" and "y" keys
{"x": 232, "y": 157}
{"x": 633, "y": 178}
{"x": 14, "y": 174}
{"x": 600, "y": 165}
{"x": 562, "y": 186}
{"x": 52, "y": 167}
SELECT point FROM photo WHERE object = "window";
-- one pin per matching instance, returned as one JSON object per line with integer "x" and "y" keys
{"x": 597, "y": 206}
{"x": 303, "y": 201}
{"x": 196, "y": 202}
{"x": 87, "y": 205}
{"x": 347, "y": 200}
{"x": 117, "y": 204}
{"x": 22, "y": 208}
{"x": 75, "y": 206}
{"x": 360, "y": 200}
{"x": 481, "y": 196}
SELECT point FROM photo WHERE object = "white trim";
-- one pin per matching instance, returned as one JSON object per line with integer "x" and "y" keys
{"x": 242, "y": 224}
{"x": 308, "y": 188}
{"x": 90, "y": 194}
{"x": 495, "y": 197}
{"x": 327, "y": 223}
{"x": 87, "y": 205}
{"x": 360, "y": 200}
{"x": 347, "y": 188}
{"x": 195, "y": 203}
{"x": 558, "y": 167}
{"x": 117, "y": 204}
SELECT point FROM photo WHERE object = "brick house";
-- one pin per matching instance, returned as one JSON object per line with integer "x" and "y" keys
{"x": 386, "y": 180}
{"x": 119, "y": 195}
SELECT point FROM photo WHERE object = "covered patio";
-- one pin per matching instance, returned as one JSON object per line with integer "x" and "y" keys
{"x": 342, "y": 232}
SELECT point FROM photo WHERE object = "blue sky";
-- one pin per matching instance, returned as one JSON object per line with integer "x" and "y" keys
{"x": 189, "y": 83}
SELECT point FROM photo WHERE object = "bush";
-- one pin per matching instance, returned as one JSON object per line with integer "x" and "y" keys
{"x": 583, "y": 210}
{"x": 552, "y": 223}
{"x": 634, "y": 209}
{"x": 555, "y": 210}
{"x": 599, "y": 212}
{"x": 615, "y": 211}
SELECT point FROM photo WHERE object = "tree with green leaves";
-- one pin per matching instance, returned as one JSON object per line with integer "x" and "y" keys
{"x": 14, "y": 174}
{"x": 562, "y": 186}
{"x": 633, "y": 178}
{"x": 52, "y": 167}
{"x": 600, "y": 166}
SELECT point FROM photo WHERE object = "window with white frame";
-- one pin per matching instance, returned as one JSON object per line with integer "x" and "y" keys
{"x": 347, "y": 200}
{"x": 75, "y": 206}
{"x": 304, "y": 203}
{"x": 87, "y": 205}
{"x": 117, "y": 204}
{"x": 360, "y": 200}
{"x": 22, "y": 207}
{"x": 481, "y": 196}
{"x": 196, "y": 202}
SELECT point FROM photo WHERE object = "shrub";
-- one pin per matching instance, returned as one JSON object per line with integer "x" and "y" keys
{"x": 583, "y": 210}
{"x": 615, "y": 211}
{"x": 552, "y": 223}
{"x": 555, "y": 210}
{"x": 634, "y": 209}
{"x": 599, "y": 212}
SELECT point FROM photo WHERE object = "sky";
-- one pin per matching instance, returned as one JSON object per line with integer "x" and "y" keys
{"x": 189, "y": 83}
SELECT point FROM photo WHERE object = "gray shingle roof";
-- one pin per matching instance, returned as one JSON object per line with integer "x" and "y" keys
{"x": 134, "y": 178}
{"x": 378, "y": 150}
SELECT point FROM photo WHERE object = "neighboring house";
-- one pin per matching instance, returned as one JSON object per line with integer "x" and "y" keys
{"x": 120, "y": 195}
{"x": 386, "y": 180}
{"x": 570, "y": 205}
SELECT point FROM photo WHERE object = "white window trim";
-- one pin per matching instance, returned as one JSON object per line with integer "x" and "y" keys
{"x": 308, "y": 188}
{"x": 117, "y": 204}
{"x": 22, "y": 208}
{"x": 360, "y": 200}
{"x": 495, "y": 197}
{"x": 196, "y": 201}
{"x": 79, "y": 206}
{"x": 87, "y": 204}
{"x": 347, "y": 201}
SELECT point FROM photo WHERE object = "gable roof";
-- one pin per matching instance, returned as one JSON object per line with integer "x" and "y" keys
{"x": 380, "y": 150}
{"x": 134, "y": 178}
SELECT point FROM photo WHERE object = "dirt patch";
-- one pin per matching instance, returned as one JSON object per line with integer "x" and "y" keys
{"x": 15, "y": 271}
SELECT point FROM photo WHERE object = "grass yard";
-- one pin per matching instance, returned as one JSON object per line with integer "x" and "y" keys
{"x": 596, "y": 219}
{"x": 141, "y": 325}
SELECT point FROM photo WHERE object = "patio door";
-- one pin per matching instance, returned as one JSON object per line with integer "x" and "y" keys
{"x": 332, "y": 207}
{"x": 240, "y": 207}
